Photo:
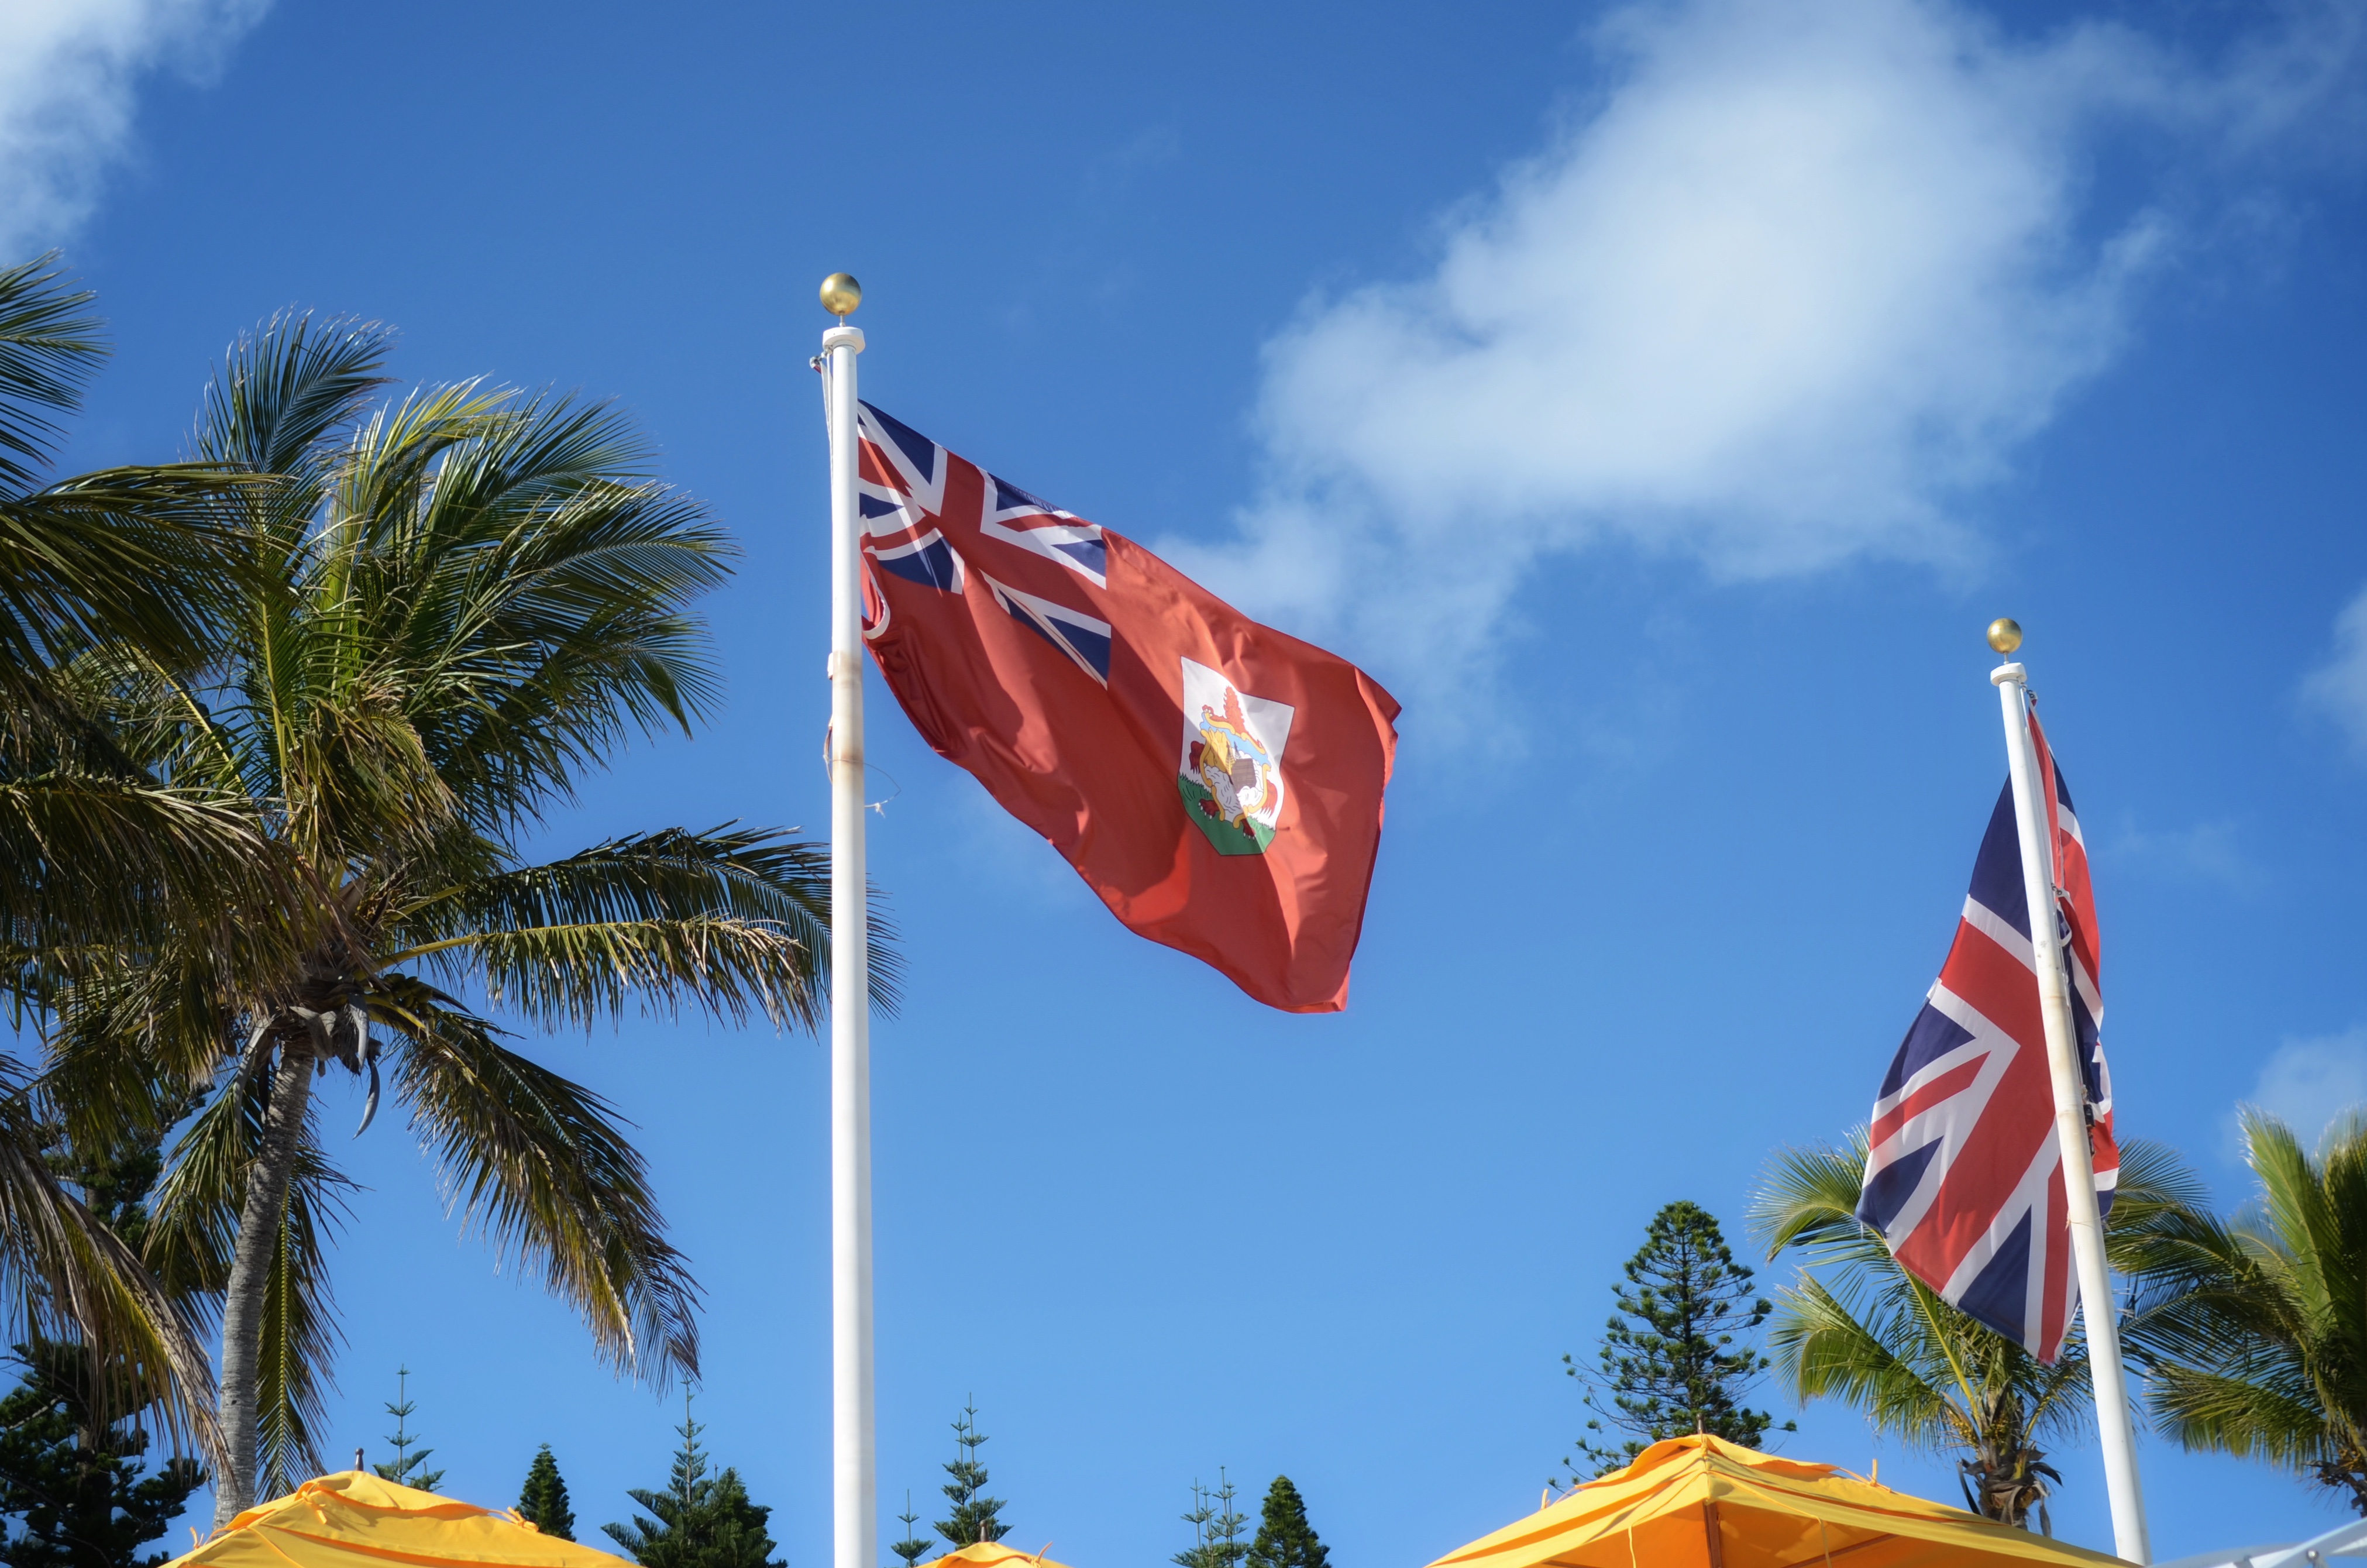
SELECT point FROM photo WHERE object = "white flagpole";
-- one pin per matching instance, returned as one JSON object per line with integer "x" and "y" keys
{"x": 854, "y": 1459}
{"x": 2114, "y": 1425}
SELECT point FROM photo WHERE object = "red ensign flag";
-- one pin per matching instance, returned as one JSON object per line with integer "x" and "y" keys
{"x": 1217, "y": 783}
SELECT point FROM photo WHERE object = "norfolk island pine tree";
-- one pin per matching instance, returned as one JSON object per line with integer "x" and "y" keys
{"x": 701, "y": 1519}
{"x": 976, "y": 1517}
{"x": 1285, "y": 1538}
{"x": 542, "y": 1501}
{"x": 1668, "y": 1366}
{"x": 914, "y": 1546}
{"x": 404, "y": 1471}
{"x": 1215, "y": 1528}
{"x": 70, "y": 1484}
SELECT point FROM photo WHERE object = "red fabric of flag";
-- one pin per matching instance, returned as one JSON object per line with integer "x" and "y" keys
{"x": 1217, "y": 783}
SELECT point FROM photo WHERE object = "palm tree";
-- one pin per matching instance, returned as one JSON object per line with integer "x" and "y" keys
{"x": 2253, "y": 1331}
{"x": 94, "y": 851}
{"x": 1858, "y": 1327}
{"x": 127, "y": 555}
{"x": 457, "y": 607}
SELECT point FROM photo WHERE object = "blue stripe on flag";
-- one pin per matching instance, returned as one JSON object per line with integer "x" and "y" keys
{"x": 1080, "y": 642}
{"x": 1091, "y": 553}
{"x": 1933, "y": 1035}
{"x": 1997, "y": 871}
{"x": 1999, "y": 1294}
{"x": 915, "y": 446}
{"x": 1093, "y": 645}
{"x": 931, "y": 564}
{"x": 1009, "y": 497}
{"x": 1887, "y": 1193}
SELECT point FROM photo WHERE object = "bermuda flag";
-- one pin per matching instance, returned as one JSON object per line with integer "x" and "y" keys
{"x": 1217, "y": 783}
{"x": 1963, "y": 1177}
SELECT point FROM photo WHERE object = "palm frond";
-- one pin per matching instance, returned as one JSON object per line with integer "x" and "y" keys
{"x": 137, "y": 554}
{"x": 1823, "y": 1348}
{"x": 50, "y": 346}
{"x": 65, "y": 1277}
{"x": 356, "y": 783}
{"x": 2292, "y": 1208}
{"x": 579, "y": 974}
{"x": 2155, "y": 1179}
{"x": 540, "y": 1167}
{"x": 732, "y": 920}
{"x": 133, "y": 1046}
{"x": 742, "y": 874}
{"x": 2252, "y": 1332}
{"x": 2201, "y": 1290}
{"x": 284, "y": 393}
{"x": 295, "y": 1366}
{"x": 86, "y": 856}
{"x": 141, "y": 554}
{"x": 537, "y": 598}
{"x": 2266, "y": 1410}
{"x": 1808, "y": 1201}
{"x": 193, "y": 1217}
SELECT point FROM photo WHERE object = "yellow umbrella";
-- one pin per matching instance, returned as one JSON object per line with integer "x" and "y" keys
{"x": 356, "y": 1520}
{"x": 993, "y": 1554}
{"x": 1705, "y": 1503}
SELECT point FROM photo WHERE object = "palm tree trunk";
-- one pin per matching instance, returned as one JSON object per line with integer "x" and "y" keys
{"x": 260, "y": 1221}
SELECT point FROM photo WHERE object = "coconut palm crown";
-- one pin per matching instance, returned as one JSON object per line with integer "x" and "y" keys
{"x": 2253, "y": 1331}
{"x": 456, "y": 607}
{"x": 1856, "y": 1326}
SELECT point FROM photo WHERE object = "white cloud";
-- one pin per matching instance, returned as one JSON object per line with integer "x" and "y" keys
{"x": 2339, "y": 689}
{"x": 1806, "y": 276}
{"x": 67, "y": 70}
{"x": 2309, "y": 1082}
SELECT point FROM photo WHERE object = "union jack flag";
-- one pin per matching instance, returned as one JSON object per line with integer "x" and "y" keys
{"x": 1964, "y": 1175}
{"x": 902, "y": 494}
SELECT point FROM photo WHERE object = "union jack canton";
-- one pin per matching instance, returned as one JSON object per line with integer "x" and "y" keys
{"x": 906, "y": 492}
{"x": 1964, "y": 1175}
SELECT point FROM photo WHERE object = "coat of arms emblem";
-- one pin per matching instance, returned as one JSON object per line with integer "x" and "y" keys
{"x": 1232, "y": 770}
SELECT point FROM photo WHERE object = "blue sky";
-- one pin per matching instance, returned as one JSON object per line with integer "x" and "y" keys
{"x": 1659, "y": 400}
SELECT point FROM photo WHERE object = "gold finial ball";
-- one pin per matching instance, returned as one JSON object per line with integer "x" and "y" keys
{"x": 841, "y": 293}
{"x": 2005, "y": 635}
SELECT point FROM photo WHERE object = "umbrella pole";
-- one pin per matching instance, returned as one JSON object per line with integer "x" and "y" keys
{"x": 853, "y": 1459}
{"x": 2115, "y": 1431}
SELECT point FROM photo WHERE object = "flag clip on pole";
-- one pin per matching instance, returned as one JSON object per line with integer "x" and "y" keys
{"x": 2114, "y": 1427}
{"x": 853, "y": 1459}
